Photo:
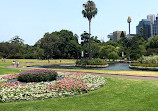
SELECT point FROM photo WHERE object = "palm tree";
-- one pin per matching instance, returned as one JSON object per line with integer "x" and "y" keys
{"x": 89, "y": 12}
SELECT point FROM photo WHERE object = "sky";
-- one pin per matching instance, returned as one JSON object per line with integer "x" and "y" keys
{"x": 31, "y": 19}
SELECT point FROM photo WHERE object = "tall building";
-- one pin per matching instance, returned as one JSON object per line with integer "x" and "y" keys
{"x": 117, "y": 35}
{"x": 151, "y": 17}
{"x": 144, "y": 27}
{"x": 155, "y": 26}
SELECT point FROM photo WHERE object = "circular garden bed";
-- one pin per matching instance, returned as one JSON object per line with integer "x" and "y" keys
{"x": 143, "y": 68}
{"x": 70, "y": 83}
{"x": 94, "y": 63}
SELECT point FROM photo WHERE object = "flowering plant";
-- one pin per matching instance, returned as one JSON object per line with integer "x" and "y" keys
{"x": 71, "y": 84}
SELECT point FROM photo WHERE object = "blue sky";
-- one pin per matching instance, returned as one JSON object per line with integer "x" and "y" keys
{"x": 31, "y": 19}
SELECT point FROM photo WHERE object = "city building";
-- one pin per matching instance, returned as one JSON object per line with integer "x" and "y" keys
{"x": 144, "y": 27}
{"x": 117, "y": 35}
{"x": 151, "y": 17}
{"x": 110, "y": 36}
{"x": 155, "y": 26}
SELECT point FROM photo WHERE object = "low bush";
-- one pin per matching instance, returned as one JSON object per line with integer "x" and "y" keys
{"x": 149, "y": 59}
{"x": 144, "y": 65}
{"x": 96, "y": 61}
{"x": 38, "y": 75}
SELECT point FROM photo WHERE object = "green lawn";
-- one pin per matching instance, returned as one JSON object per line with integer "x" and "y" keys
{"x": 118, "y": 95}
{"x": 4, "y": 70}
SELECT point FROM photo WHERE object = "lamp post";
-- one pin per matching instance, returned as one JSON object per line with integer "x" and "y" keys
{"x": 129, "y": 21}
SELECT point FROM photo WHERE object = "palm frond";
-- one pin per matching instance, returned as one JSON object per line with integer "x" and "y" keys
{"x": 90, "y": 10}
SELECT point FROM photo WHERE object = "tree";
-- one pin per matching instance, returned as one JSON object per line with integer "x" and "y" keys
{"x": 153, "y": 42}
{"x": 122, "y": 35}
{"x": 138, "y": 46}
{"x": 84, "y": 38}
{"x": 17, "y": 40}
{"x": 62, "y": 44}
{"x": 125, "y": 43}
{"x": 109, "y": 52}
{"x": 152, "y": 46}
{"x": 89, "y": 12}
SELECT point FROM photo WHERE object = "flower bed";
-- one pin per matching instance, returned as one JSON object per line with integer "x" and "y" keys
{"x": 71, "y": 84}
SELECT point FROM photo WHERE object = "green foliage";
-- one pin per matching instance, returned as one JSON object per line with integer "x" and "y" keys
{"x": 95, "y": 45}
{"x": 144, "y": 65}
{"x": 64, "y": 44}
{"x": 149, "y": 59}
{"x": 109, "y": 52}
{"x": 134, "y": 47}
{"x": 152, "y": 46}
{"x": 96, "y": 61}
{"x": 84, "y": 38}
{"x": 151, "y": 51}
{"x": 17, "y": 40}
{"x": 90, "y": 10}
{"x": 61, "y": 44}
{"x": 153, "y": 42}
{"x": 38, "y": 75}
{"x": 113, "y": 55}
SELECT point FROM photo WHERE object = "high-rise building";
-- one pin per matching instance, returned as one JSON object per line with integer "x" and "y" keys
{"x": 155, "y": 26}
{"x": 144, "y": 27}
{"x": 151, "y": 17}
{"x": 117, "y": 35}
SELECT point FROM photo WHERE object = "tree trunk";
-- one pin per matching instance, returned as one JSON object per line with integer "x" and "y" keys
{"x": 90, "y": 50}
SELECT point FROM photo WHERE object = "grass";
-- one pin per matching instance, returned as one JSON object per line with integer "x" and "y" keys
{"x": 136, "y": 73}
{"x": 118, "y": 95}
{"x": 4, "y": 70}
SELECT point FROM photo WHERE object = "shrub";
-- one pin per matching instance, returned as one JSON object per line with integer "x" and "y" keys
{"x": 96, "y": 61}
{"x": 149, "y": 59}
{"x": 38, "y": 75}
{"x": 144, "y": 65}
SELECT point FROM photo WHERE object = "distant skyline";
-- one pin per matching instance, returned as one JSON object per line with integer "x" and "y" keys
{"x": 31, "y": 19}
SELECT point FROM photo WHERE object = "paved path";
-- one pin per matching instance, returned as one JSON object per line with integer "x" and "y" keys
{"x": 104, "y": 74}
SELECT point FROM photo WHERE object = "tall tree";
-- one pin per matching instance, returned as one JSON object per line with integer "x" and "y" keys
{"x": 17, "y": 40}
{"x": 62, "y": 44}
{"x": 89, "y": 12}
